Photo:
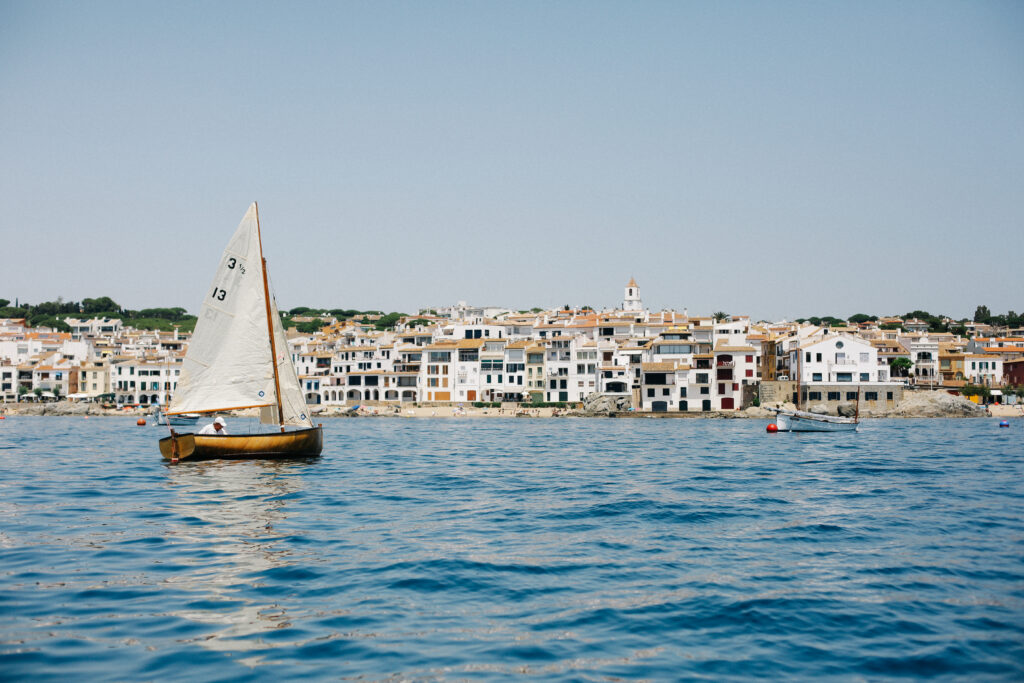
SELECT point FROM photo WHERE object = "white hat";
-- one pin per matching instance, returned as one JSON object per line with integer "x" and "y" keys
{"x": 220, "y": 421}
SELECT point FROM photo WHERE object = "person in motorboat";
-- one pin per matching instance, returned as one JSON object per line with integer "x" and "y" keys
{"x": 216, "y": 428}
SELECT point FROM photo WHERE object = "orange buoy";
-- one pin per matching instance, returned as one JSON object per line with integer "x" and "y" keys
{"x": 141, "y": 421}
{"x": 772, "y": 428}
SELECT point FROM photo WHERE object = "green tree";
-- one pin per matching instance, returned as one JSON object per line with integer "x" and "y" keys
{"x": 975, "y": 390}
{"x": 103, "y": 304}
{"x": 4, "y": 303}
{"x": 47, "y": 320}
{"x": 719, "y": 316}
{"x": 309, "y": 327}
{"x": 38, "y": 391}
{"x": 862, "y": 318}
{"x": 901, "y": 366}
{"x": 388, "y": 321}
{"x": 982, "y": 314}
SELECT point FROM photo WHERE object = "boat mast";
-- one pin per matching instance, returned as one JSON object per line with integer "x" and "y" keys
{"x": 270, "y": 324}
{"x": 799, "y": 367}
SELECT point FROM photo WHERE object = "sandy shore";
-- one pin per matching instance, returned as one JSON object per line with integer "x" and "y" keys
{"x": 1006, "y": 411}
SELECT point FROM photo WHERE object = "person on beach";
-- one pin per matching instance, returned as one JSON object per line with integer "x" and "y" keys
{"x": 216, "y": 428}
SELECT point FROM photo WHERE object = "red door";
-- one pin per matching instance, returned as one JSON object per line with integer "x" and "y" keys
{"x": 727, "y": 403}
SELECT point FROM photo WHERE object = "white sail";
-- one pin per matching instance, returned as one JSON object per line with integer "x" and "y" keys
{"x": 229, "y": 363}
{"x": 293, "y": 402}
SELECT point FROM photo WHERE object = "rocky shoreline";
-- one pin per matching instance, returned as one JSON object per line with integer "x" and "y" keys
{"x": 923, "y": 404}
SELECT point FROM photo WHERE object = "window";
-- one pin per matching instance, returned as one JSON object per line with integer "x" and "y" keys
{"x": 682, "y": 393}
{"x": 865, "y": 377}
{"x": 750, "y": 359}
{"x": 851, "y": 395}
{"x": 818, "y": 357}
{"x": 666, "y": 392}
{"x": 808, "y": 357}
{"x": 673, "y": 349}
{"x": 705, "y": 390}
{"x": 650, "y": 392}
{"x": 750, "y": 373}
{"x": 870, "y": 395}
{"x": 833, "y": 395}
{"x": 844, "y": 376}
{"x": 816, "y": 377}
{"x": 888, "y": 395}
{"x": 814, "y": 396}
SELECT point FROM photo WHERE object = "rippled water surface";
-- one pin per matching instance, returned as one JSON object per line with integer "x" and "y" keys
{"x": 560, "y": 549}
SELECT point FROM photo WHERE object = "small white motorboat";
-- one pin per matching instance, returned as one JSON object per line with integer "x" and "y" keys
{"x": 186, "y": 420}
{"x": 803, "y": 421}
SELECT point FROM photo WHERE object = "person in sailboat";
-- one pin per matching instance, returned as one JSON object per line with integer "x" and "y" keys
{"x": 216, "y": 428}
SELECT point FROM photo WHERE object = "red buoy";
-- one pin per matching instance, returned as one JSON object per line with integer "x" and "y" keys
{"x": 141, "y": 421}
{"x": 772, "y": 428}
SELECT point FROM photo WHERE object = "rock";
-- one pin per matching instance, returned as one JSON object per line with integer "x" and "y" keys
{"x": 601, "y": 404}
{"x": 757, "y": 412}
{"x": 818, "y": 409}
{"x": 933, "y": 404}
{"x": 847, "y": 410}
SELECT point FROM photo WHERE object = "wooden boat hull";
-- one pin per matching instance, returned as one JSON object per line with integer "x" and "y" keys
{"x": 296, "y": 444}
{"x": 788, "y": 422}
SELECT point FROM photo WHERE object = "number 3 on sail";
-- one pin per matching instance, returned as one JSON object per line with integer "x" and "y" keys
{"x": 238, "y": 358}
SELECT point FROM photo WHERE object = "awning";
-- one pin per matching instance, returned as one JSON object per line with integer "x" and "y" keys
{"x": 996, "y": 392}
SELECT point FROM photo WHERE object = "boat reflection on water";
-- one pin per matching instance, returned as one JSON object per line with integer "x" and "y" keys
{"x": 230, "y": 514}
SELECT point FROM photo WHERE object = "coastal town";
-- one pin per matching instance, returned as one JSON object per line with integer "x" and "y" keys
{"x": 634, "y": 359}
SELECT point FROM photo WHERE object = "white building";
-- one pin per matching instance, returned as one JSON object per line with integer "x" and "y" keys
{"x": 983, "y": 369}
{"x": 924, "y": 354}
{"x": 835, "y": 359}
{"x": 632, "y": 302}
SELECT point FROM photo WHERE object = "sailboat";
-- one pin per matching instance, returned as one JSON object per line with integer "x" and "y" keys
{"x": 237, "y": 359}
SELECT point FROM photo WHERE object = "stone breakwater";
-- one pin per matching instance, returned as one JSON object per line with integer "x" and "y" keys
{"x": 918, "y": 404}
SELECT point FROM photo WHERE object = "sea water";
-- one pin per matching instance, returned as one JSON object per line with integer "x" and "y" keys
{"x": 476, "y": 549}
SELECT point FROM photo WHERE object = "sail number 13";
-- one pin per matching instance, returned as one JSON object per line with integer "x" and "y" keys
{"x": 218, "y": 293}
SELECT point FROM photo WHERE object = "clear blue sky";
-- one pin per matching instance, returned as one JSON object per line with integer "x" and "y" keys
{"x": 774, "y": 159}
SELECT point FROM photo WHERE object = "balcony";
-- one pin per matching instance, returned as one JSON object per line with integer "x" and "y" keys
{"x": 729, "y": 364}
